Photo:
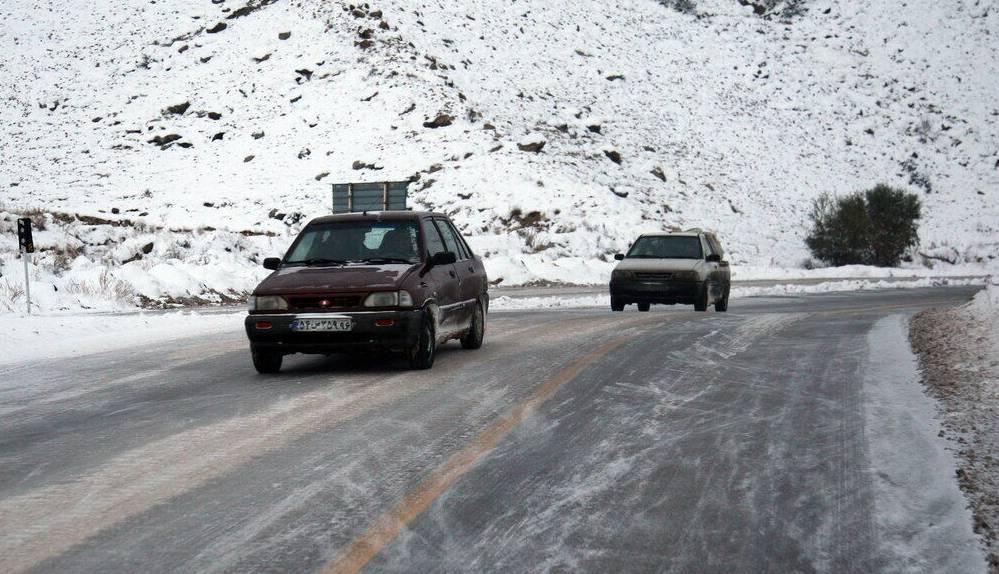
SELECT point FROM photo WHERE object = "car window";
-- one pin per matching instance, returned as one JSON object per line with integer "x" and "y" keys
{"x": 355, "y": 241}
{"x": 433, "y": 239}
{"x": 466, "y": 253}
{"x": 715, "y": 244}
{"x": 449, "y": 239}
{"x": 667, "y": 247}
{"x": 706, "y": 245}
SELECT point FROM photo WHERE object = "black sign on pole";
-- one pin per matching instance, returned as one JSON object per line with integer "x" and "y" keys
{"x": 24, "y": 235}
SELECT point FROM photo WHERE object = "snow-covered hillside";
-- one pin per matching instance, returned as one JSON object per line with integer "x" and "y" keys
{"x": 226, "y": 121}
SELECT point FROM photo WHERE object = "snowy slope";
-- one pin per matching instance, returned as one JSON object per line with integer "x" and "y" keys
{"x": 651, "y": 118}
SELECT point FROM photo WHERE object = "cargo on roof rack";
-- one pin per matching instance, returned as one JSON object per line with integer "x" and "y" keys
{"x": 376, "y": 196}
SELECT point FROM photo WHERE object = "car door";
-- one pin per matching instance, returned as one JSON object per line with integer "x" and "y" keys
{"x": 442, "y": 281}
{"x": 474, "y": 282}
{"x": 724, "y": 269}
{"x": 466, "y": 286}
{"x": 715, "y": 280}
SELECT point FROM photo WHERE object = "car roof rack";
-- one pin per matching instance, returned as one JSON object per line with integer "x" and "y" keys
{"x": 694, "y": 230}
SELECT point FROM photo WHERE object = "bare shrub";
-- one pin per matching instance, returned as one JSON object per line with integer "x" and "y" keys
{"x": 535, "y": 244}
{"x": 10, "y": 295}
{"x": 107, "y": 286}
{"x": 37, "y": 216}
{"x": 62, "y": 259}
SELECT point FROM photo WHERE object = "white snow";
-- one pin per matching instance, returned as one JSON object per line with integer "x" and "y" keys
{"x": 512, "y": 303}
{"x": 211, "y": 266}
{"x": 923, "y": 521}
{"x": 33, "y": 338}
{"x": 986, "y": 302}
{"x": 747, "y": 119}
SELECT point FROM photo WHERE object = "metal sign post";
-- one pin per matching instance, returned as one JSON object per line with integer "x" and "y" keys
{"x": 27, "y": 283}
{"x": 27, "y": 246}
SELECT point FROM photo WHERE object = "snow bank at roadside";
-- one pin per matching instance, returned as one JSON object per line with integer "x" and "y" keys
{"x": 508, "y": 303}
{"x": 987, "y": 301}
{"x": 33, "y": 338}
{"x": 94, "y": 264}
{"x": 923, "y": 523}
{"x": 958, "y": 350}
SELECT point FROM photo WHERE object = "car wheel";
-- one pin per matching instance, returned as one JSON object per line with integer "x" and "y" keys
{"x": 702, "y": 299}
{"x": 422, "y": 356}
{"x": 616, "y": 304}
{"x": 722, "y": 305}
{"x": 644, "y": 307}
{"x": 476, "y": 331}
{"x": 267, "y": 362}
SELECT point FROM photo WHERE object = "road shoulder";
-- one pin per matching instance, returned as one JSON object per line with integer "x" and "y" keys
{"x": 923, "y": 522}
{"x": 957, "y": 353}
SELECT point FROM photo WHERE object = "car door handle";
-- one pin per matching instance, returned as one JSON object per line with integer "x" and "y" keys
{"x": 452, "y": 273}
{"x": 471, "y": 269}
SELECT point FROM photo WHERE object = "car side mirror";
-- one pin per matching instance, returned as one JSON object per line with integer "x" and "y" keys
{"x": 713, "y": 258}
{"x": 442, "y": 258}
{"x": 619, "y": 256}
{"x": 272, "y": 263}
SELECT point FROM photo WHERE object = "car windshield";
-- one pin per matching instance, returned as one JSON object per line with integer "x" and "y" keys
{"x": 667, "y": 247}
{"x": 346, "y": 242}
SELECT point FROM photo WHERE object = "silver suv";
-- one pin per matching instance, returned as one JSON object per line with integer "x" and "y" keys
{"x": 671, "y": 268}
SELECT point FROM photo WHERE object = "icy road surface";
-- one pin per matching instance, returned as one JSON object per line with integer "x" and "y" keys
{"x": 771, "y": 438}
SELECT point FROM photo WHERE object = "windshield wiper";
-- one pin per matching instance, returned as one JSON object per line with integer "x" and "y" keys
{"x": 382, "y": 260}
{"x": 317, "y": 261}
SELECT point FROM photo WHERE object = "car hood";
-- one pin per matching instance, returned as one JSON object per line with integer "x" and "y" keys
{"x": 659, "y": 265}
{"x": 290, "y": 280}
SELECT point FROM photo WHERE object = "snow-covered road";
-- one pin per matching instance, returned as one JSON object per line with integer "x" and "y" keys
{"x": 574, "y": 440}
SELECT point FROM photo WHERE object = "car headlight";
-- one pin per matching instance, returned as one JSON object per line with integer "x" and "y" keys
{"x": 405, "y": 299}
{"x": 389, "y": 299}
{"x": 621, "y": 274}
{"x": 268, "y": 303}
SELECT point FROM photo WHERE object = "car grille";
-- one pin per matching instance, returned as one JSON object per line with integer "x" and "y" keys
{"x": 324, "y": 302}
{"x": 652, "y": 276}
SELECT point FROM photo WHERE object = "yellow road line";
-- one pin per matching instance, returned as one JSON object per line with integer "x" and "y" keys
{"x": 389, "y": 525}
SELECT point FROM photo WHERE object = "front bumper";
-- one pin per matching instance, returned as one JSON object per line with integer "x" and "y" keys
{"x": 666, "y": 292}
{"x": 364, "y": 335}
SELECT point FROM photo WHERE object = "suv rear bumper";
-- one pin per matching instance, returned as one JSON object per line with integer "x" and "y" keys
{"x": 364, "y": 335}
{"x": 666, "y": 292}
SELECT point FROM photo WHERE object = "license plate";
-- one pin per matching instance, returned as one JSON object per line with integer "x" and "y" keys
{"x": 311, "y": 325}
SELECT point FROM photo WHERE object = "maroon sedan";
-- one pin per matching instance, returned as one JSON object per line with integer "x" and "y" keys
{"x": 397, "y": 281}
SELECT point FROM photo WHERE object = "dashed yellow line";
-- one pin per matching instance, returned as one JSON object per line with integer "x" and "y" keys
{"x": 389, "y": 525}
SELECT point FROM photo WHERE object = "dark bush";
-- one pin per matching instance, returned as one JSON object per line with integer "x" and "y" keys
{"x": 876, "y": 227}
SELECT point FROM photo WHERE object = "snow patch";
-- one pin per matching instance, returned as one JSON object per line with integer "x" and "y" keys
{"x": 923, "y": 521}
{"x": 512, "y": 303}
{"x": 34, "y": 338}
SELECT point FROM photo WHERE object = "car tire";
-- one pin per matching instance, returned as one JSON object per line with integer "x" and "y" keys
{"x": 616, "y": 305}
{"x": 644, "y": 307}
{"x": 422, "y": 356}
{"x": 267, "y": 362}
{"x": 701, "y": 304}
{"x": 722, "y": 305}
{"x": 476, "y": 331}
